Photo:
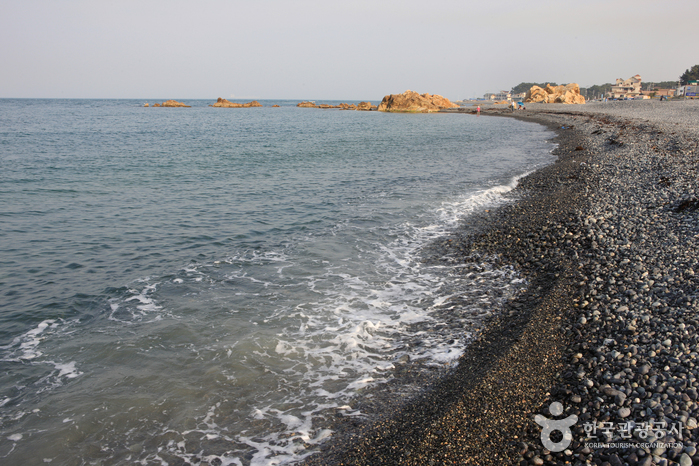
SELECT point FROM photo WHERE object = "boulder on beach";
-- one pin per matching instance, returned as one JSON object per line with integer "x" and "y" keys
{"x": 223, "y": 103}
{"x": 411, "y": 101}
{"x": 568, "y": 94}
{"x": 172, "y": 103}
{"x": 306, "y": 104}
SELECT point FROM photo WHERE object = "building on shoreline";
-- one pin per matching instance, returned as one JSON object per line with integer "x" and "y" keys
{"x": 690, "y": 90}
{"x": 502, "y": 95}
{"x": 626, "y": 89}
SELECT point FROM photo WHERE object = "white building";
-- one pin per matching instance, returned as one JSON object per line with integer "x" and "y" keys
{"x": 626, "y": 89}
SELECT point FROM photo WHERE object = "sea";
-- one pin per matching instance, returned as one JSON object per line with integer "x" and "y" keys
{"x": 221, "y": 285}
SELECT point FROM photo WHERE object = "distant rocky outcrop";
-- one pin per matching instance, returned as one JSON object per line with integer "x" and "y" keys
{"x": 169, "y": 103}
{"x": 342, "y": 106}
{"x": 227, "y": 104}
{"x": 172, "y": 103}
{"x": 366, "y": 106}
{"x": 411, "y": 101}
{"x": 568, "y": 94}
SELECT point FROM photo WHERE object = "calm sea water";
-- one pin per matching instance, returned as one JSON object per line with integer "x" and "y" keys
{"x": 215, "y": 285}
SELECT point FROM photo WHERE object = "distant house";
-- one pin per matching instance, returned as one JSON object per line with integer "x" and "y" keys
{"x": 502, "y": 95}
{"x": 659, "y": 93}
{"x": 690, "y": 90}
{"x": 665, "y": 92}
{"x": 626, "y": 89}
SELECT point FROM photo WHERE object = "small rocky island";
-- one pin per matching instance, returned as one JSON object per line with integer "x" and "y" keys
{"x": 366, "y": 106}
{"x": 411, "y": 101}
{"x": 169, "y": 103}
{"x": 227, "y": 104}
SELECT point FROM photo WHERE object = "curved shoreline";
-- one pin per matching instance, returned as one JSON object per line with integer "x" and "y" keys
{"x": 593, "y": 331}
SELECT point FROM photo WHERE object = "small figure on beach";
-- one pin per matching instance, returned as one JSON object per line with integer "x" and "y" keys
{"x": 478, "y": 110}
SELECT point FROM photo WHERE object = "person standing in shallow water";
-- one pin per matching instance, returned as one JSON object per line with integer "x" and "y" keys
{"x": 478, "y": 110}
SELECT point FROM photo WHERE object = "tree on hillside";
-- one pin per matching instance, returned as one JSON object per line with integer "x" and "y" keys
{"x": 690, "y": 75}
{"x": 661, "y": 85}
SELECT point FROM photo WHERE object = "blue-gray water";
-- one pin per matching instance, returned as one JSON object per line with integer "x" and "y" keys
{"x": 215, "y": 284}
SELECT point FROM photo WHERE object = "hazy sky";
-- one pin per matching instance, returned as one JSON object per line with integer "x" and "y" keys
{"x": 312, "y": 49}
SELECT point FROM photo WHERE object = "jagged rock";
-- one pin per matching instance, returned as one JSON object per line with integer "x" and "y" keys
{"x": 227, "y": 104}
{"x": 306, "y": 104}
{"x": 172, "y": 103}
{"x": 366, "y": 106}
{"x": 146, "y": 104}
{"x": 568, "y": 94}
{"x": 411, "y": 101}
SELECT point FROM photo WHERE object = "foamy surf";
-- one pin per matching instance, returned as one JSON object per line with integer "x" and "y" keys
{"x": 360, "y": 327}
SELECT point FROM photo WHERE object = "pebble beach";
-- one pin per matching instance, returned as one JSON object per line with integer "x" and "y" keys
{"x": 607, "y": 238}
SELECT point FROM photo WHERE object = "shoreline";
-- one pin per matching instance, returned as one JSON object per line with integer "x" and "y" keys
{"x": 593, "y": 331}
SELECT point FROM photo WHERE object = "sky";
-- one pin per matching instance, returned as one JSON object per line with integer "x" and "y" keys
{"x": 339, "y": 50}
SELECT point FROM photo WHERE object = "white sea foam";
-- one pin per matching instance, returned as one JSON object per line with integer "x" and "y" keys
{"x": 25, "y": 347}
{"x": 352, "y": 336}
{"x": 139, "y": 307}
{"x": 67, "y": 370}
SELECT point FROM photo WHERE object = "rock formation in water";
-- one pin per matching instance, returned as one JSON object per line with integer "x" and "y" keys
{"x": 172, "y": 103}
{"x": 366, "y": 106}
{"x": 227, "y": 104}
{"x": 306, "y": 104}
{"x": 568, "y": 94}
{"x": 411, "y": 101}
